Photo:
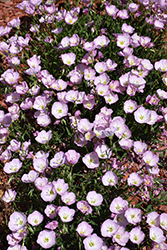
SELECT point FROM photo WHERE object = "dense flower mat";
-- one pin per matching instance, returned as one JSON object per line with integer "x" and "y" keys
{"x": 86, "y": 90}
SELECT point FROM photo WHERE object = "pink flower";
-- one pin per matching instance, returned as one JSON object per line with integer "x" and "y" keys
{"x": 153, "y": 219}
{"x": 46, "y": 238}
{"x": 35, "y": 218}
{"x": 101, "y": 41}
{"x": 68, "y": 58}
{"x": 163, "y": 221}
{"x": 13, "y": 166}
{"x": 84, "y": 207}
{"x": 93, "y": 242}
{"x": 68, "y": 198}
{"x": 133, "y": 215}
{"x": 139, "y": 147}
{"x": 66, "y": 214}
{"x": 123, "y": 40}
{"x": 70, "y": 18}
{"x": 121, "y": 236}
{"x": 58, "y": 160}
{"x": 161, "y": 65}
{"x": 17, "y": 221}
{"x": 60, "y": 186}
{"x": 48, "y": 192}
{"x": 43, "y": 137}
{"x": 111, "y": 10}
{"x": 136, "y": 235}
{"x": 84, "y": 229}
{"x": 84, "y": 125}
{"x": 123, "y": 14}
{"x": 150, "y": 158}
{"x": 130, "y": 106}
{"x": 59, "y": 110}
{"x": 142, "y": 115}
{"x": 109, "y": 179}
{"x": 135, "y": 179}
{"x": 72, "y": 156}
{"x": 91, "y": 160}
{"x": 51, "y": 211}
{"x": 109, "y": 228}
{"x": 156, "y": 234}
{"x": 133, "y": 7}
{"x": 9, "y": 195}
{"x": 94, "y": 199}
{"x": 118, "y": 205}
{"x": 52, "y": 225}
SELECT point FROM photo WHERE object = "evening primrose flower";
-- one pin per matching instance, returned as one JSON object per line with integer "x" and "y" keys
{"x": 94, "y": 198}
{"x": 84, "y": 229}
{"x": 139, "y": 147}
{"x": 51, "y": 211}
{"x": 48, "y": 192}
{"x": 109, "y": 179}
{"x": 66, "y": 214}
{"x": 91, "y": 160}
{"x": 130, "y": 106}
{"x": 68, "y": 198}
{"x": 59, "y": 110}
{"x": 123, "y": 40}
{"x": 84, "y": 207}
{"x": 43, "y": 137}
{"x": 58, "y": 160}
{"x": 135, "y": 179}
{"x": 111, "y": 10}
{"x": 68, "y": 58}
{"x": 153, "y": 219}
{"x": 46, "y": 239}
{"x": 142, "y": 115}
{"x": 70, "y": 18}
{"x": 121, "y": 236}
{"x": 101, "y": 41}
{"x": 136, "y": 235}
{"x": 72, "y": 156}
{"x": 60, "y": 186}
{"x": 93, "y": 242}
{"x": 161, "y": 65}
{"x": 150, "y": 158}
{"x": 17, "y": 220}
{"x": 109, "y": 228}
{"x": 156, "y": 234}
{"x": 133, "y": 215}
{"x": 118, "y": 205}
{"x": 35, "y": 218}
{"x": 9, "y": 195}
{"x": 13, "y": 166}
{"x": 163, "y": 221}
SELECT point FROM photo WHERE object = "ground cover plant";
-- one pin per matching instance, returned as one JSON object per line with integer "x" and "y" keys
{"x": 86, "y": 89}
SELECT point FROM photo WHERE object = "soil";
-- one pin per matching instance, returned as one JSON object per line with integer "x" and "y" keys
{"x": 8, "y": 11}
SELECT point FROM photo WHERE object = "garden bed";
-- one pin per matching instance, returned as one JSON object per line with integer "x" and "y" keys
{"x": 101, "y": 127}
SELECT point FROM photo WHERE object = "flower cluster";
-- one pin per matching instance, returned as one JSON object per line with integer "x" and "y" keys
{"x": 85, "y": 90}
